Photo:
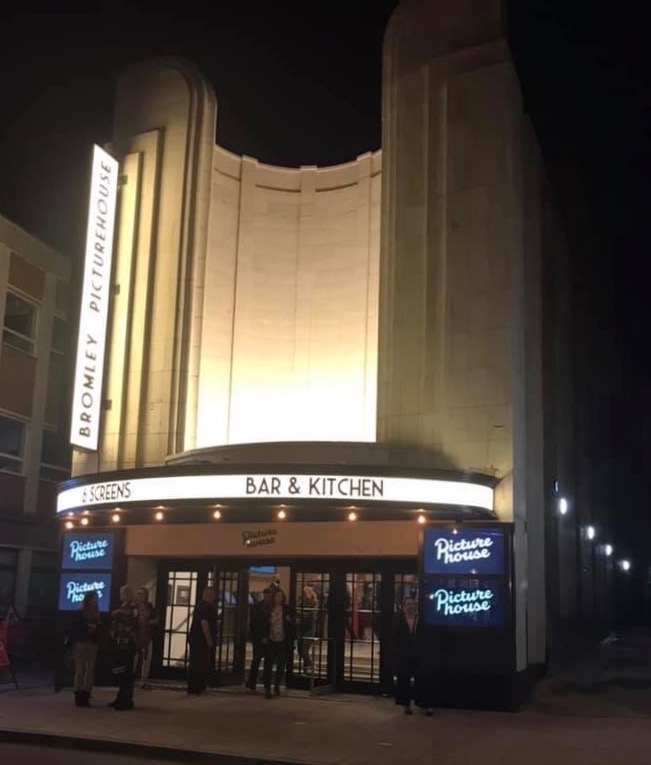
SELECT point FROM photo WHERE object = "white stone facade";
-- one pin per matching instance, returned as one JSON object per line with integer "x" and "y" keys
{"x": 289, "y": 332}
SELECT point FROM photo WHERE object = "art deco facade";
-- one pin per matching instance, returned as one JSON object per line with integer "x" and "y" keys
{"x": 403, "y": 315}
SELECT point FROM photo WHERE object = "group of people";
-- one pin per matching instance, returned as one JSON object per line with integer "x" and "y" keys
{"x": 272, "y": 632}
{"x": 129, "y": 639}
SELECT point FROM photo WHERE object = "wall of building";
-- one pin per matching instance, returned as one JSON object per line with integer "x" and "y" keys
{"x": 460, "y": 292}
{"x": 245, "y": 298}
{"x": 34, "y": 392}
{"x": 289, "y": 332}
{"x": 163, "y": 134}
{"x": 370, "y": 538}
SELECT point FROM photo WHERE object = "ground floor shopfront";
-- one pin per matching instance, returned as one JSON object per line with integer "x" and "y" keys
{"x": 343, "y": 628}
{"x": 354, "y": 539}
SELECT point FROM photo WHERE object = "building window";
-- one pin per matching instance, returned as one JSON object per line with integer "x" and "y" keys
{"x": 55, "y": 456}
{"x": 60, "y": 336}
{"x": 8, "y": 560}
{"x": 42, "y": 593}
{"x": 12, "y": 444}
{"x": 20, "y": 323}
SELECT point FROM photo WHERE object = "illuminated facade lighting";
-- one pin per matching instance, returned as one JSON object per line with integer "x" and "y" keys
{"x": 563, "y": 506}
{"x": 421, "y": 518}
{"x": 608, "y": 549}
{"x": 278, "y": 487}
{"x": 625, "y": 565}
{"x": 217, "y": 515}
{"x": 70, "y": 525}
{"x": 84, "y": 521}
{"x": 281, "y": 515}
{"x": 591, "y": 533}
{"x": 352, "y": 515}
{"x": 160, "y": 515}
{"x": 115, "y": 517}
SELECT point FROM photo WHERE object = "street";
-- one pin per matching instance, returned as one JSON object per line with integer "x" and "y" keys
{"x": 25, "y": 754}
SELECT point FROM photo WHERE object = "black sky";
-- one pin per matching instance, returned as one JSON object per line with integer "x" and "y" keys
{"x": 300, "y": 84}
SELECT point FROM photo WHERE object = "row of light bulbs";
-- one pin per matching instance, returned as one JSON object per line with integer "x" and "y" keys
{"x": 591, "y": 533}
{"x": 159, "y": 516}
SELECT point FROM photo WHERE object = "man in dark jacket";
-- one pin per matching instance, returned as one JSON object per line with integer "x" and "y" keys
{"x": 201, "y": 639}
{"x": 124, "y": 631}
{"x": 257, "y": 633}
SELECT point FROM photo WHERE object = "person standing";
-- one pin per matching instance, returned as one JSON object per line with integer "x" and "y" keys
{"x": 147, "y": 623}
{"x": 256, "y": 635}
{"x": 201, "y": 639}
{"x": 124, "y": 631}
{"x": 279, "y": 629}
{"x": 84, "y": 638}
{"x": 308, "y": 605}
{"x": 408, "y": 644}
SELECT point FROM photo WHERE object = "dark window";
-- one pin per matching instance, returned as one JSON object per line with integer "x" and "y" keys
{"x": 60, "y": 336}
{"x": 55, "y": 456}
{"x": 42, "y": 593}
{"x": 12, "y": 440}
{"x": 19, "y": 324}
{"x": 8, "y": 559}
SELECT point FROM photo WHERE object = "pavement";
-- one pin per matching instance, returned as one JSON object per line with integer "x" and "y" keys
{"x": 595, "y": 711}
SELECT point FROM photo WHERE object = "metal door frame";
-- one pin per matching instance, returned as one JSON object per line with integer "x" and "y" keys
{"x": 336, "y": 568}
{"x": 234, "y": 676}
{"x": 165, "y": 566}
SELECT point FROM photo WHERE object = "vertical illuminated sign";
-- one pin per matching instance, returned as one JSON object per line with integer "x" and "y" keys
{"x": 93, "y": 318}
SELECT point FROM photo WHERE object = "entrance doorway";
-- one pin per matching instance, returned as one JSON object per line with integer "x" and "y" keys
{"x": 343, "y": 610}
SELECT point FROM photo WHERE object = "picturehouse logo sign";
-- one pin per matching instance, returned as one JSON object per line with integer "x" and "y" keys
{"x": 91, "y": 344}
{"x": 73, "y": 586}
{"x": 83, "y": 550}
{"x": 464, "y": 551}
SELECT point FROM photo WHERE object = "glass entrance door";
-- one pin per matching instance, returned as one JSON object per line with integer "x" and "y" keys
{"x": 314, "y": 664}
{"x": 371, "y": 599}
{"x": 181, "y": 587}
{"x": 232, "y": 603}
{"x": 362, "y": 635}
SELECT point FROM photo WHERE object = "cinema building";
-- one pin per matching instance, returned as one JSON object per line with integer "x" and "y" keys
{"x": 352, "y": 378}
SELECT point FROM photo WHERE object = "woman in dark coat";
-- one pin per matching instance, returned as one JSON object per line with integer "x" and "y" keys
{"x": 84, "y": 639}
{"x": 408, "y": 642}
{"x": 279, "y": 631}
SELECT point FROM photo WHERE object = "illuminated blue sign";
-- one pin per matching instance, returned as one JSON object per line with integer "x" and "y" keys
{"x": 463, "y": 550}
{"x": 74, "y": 586}
{"x": 88, "y": 551}
{"x": 262, "y": 569}
{"x": 463, "y": 602}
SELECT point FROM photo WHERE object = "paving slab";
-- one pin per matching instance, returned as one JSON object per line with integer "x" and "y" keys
{"x": 337, "y": 730}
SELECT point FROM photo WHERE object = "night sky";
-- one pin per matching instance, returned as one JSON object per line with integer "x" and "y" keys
{"x": 301, "y": 86}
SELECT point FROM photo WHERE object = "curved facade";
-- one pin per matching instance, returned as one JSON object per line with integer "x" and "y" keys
{"x": 289, "y": 331}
